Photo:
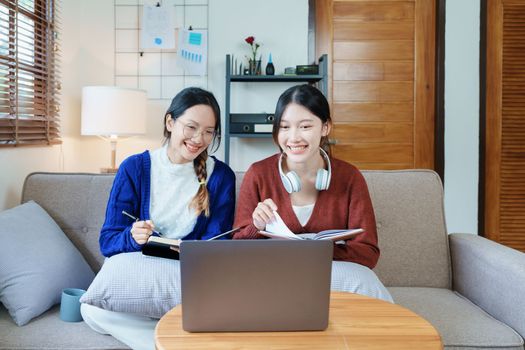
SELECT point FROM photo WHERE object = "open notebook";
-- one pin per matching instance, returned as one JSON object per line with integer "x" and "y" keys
{"x": 278, "y": 229}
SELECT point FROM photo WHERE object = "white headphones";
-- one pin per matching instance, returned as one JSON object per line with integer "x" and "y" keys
{"x": 292, "y": 183}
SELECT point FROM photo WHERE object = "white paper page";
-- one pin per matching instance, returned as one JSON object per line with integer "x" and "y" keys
{"x": 158, "y": 28}
{"x": 278, "y": 226}
{"x": 192, "y": 53}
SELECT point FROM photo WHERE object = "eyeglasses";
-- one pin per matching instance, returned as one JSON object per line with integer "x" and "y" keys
{"x": 191, "y": 131}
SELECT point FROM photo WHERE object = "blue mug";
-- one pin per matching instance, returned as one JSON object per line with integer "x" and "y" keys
{"x": 70, "y": 305}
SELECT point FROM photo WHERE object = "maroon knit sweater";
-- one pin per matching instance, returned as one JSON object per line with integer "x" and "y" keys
{"x": 346, "y": 204}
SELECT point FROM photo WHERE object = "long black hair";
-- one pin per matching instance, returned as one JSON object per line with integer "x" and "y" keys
{"x": 184, "y": 100}
{"x": 310, "y": 98}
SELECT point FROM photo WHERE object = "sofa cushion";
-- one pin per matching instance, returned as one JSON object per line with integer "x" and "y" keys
{"x": 37, "y": 262}
{"x": 48, "y": 332}
{"x": 136, "y": 283}
{"x": 408, "y": 205}
{"x": 77, "y": 202}
{"x": 461, "y": 324}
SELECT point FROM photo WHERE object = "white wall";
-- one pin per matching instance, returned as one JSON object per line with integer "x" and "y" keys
{"x": 462, "y": 115}
{"x": 283, "y": 35}
{"x": 16, "y": 163}
{"x": 88, "y": 51}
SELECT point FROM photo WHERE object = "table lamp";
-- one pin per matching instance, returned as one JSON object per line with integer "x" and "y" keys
{"x": 111, "y": 112}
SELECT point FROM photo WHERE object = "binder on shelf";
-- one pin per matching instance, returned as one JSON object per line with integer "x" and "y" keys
{"x": 251, "y": 123}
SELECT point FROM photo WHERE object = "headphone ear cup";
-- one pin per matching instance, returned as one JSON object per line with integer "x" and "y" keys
{"x": 294, "y": 181}
{"x": 286, "y": 183}
{"x": 322, "y": 180}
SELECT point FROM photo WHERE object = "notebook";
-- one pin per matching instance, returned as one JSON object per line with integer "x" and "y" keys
{"x": 255, "y": 285}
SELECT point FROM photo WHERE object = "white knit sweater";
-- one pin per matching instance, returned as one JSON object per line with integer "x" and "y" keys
{"x": 173, "y": 186}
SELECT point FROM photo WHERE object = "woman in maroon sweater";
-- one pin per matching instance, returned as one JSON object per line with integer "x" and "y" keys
{"x": 310, "y": 190}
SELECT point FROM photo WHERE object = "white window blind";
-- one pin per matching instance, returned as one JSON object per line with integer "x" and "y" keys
{"x": 29, "y": 76}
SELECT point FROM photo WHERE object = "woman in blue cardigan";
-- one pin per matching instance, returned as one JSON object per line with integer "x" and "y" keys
{"x": 177, "y": 190}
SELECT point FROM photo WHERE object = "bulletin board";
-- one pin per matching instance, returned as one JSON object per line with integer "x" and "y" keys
{"x": 154, "y": 70}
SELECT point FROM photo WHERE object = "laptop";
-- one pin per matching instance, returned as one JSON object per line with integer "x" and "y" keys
{"x": 255, "y": 285}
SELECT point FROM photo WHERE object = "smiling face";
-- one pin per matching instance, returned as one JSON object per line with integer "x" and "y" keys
{"x": 190, "y": 133}
{"x": 300, "y": 133}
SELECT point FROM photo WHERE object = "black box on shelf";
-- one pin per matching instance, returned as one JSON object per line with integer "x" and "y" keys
{"x": 307, "y": 69}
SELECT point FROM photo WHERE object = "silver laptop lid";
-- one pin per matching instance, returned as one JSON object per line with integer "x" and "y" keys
{"x": 255, "y": 285}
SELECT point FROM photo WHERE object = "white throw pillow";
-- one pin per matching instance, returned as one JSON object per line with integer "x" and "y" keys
{"x": 135, "y": 283}
{"x": 359, "y": 279}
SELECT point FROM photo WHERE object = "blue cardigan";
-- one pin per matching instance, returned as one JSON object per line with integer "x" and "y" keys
{"x": 131, "y": 192}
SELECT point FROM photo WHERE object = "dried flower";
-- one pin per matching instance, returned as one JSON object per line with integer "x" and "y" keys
{"x": 255, "y": 46}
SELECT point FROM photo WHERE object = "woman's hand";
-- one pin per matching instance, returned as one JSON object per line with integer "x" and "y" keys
{"x": 263, "y": 213}
{"x": 141, "y": 230}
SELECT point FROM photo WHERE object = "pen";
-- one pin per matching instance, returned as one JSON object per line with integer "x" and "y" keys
{"x": 137, "y": 219}
{"x": 224, "y": 234}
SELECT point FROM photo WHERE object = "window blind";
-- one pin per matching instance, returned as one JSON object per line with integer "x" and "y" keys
{"x": 29, "y": 75}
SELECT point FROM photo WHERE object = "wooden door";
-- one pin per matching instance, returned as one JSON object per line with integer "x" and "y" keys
{"x": 381, "y": 80}
{"x": 505, "y": 123}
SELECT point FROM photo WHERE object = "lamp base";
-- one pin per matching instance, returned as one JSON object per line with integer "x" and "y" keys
{"x": 108, "y": 170}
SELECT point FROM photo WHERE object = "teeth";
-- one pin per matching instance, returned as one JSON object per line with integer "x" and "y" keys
{"x": 192, "y": 148}
{"x": 296, "y": 148}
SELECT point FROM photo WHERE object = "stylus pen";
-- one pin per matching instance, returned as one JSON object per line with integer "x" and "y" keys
{"x": 224, "y": 234}
{"x": 137, "y": 219}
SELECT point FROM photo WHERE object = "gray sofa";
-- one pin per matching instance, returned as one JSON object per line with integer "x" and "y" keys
{"x": 471, "y": 289}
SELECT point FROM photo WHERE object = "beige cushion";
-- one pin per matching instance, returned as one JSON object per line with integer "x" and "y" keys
{"x": 77, "y": 203}
{"x": 461, "y": 324}
{"x": 411, "y": 227}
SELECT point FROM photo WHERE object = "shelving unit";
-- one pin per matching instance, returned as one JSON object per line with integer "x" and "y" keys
{"x": 320, "y": 79}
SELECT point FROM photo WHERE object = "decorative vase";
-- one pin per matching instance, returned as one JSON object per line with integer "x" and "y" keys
{"x": 255, "y": 67}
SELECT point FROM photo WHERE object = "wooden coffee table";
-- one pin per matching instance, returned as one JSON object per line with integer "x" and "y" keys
{"x": 356, "y": 322}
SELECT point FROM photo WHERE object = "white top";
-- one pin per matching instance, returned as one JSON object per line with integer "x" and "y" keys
{"x": 173, "y": 186}
{"x": 303, "y": 212}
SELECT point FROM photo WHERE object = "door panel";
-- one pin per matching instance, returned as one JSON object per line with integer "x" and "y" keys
{"x": 387, "y": 153}
{"x": 402, "y": 133}
{"x": 346, "y": 91}
{"x": 373, "y": 112}
{"x": 367, "y": 50}
{"x": 373, "y": 11}
{"x": 373, "y": 31}
{"x": 387, "y": 70}
{"x": 505, "y": 124}
{"x": 381, "y": 79}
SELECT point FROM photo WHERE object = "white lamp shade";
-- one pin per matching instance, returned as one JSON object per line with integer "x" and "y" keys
{"x": 109, "y": 110}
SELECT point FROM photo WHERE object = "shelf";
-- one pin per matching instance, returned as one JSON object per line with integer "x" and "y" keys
{"x": 234, "y": 120}
{"x": 254, "y": 135}
{"x": 276, "y": 78}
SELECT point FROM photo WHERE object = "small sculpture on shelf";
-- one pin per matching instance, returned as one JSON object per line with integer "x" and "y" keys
{"x": 270, "y": 69}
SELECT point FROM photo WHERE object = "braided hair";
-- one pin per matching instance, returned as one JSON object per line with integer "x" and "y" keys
{"x": 185, "y": 99}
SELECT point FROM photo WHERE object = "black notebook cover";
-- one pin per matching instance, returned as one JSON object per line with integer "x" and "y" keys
{"x": 159, "y": 249}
